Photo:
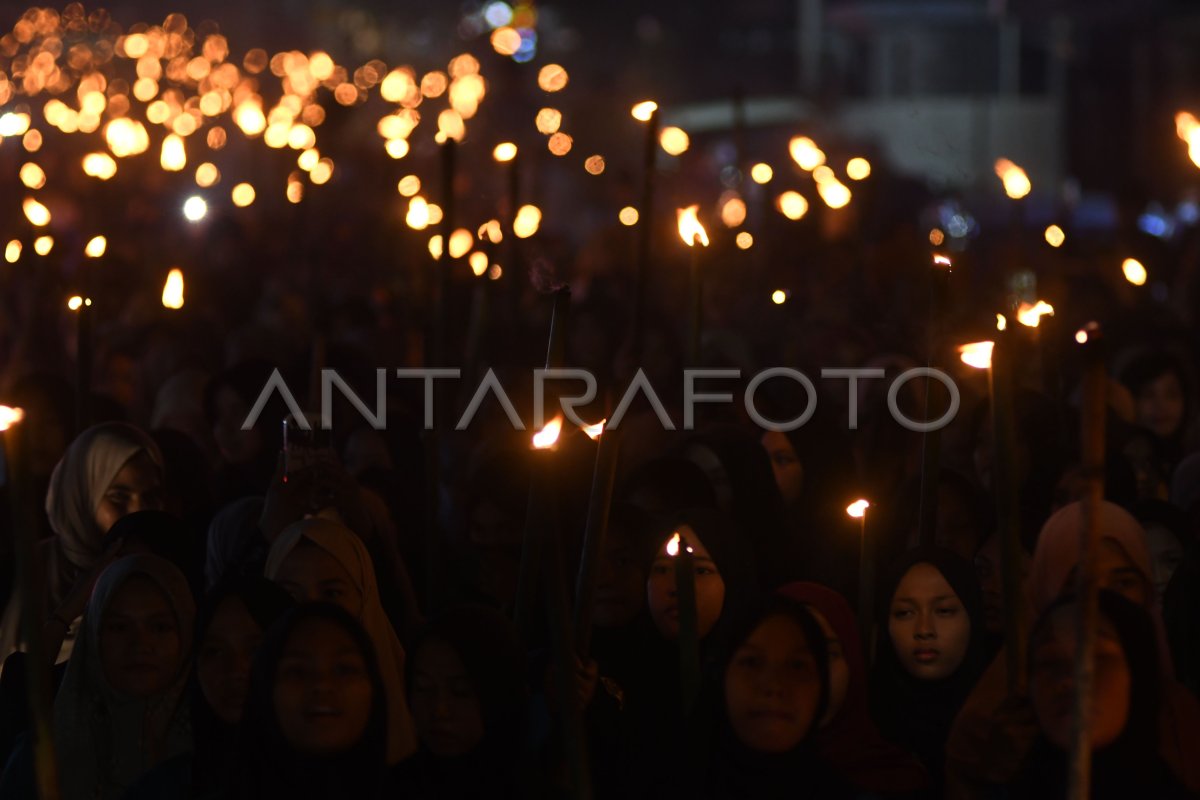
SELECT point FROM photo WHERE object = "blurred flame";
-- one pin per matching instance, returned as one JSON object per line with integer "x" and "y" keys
{"x": 12, "y": 251}
{"x": 527, "y": 221}
{"x": 744, "y": 240}
{"x": 593, "y": 431}
{"x": 835, "y": 193}
{"x": 858, "y": 508}
{"x": 940, "y": 260}
{"x": 1081, "y": 336}
{"x": 173, "y": 156}
{"x": 478, "y": 262}
{"x": 674, "y": 141}
{"x": 43, "y": 244}
{"x": 418, "y": 214}
{"x": 779, "y": 297}
{"x": 628, "y": 216}
{"x": 505, "y": 151}
{"x": 977, "y": 354}
{"x": 1135, "y": 271}
{"x": 673, "y": 545}
{"x": 33, "y": 176}
{"x": 1016, "y": 182}
{"x": 858, "y": 169}
{"x": 37, "y": 214}
{"x": 10, "y": 416}
{"x": 1055, "y": 236}
{"x": 1031, "y": 315}
{"x": 690, "y": 229}
{"x": 793, "y": 205}
{"x": 761, "y": 173}
{"x": 172, "y": 294}
{"x": 643, "y": 110}
{"x": 1001, "y": 322}
{"x": 805, "y": 153}
{"x": 243, "y": 195}
{"x": 460, "y": 242}
{"x": 547, "y": 437}
{"x": 99, "y": 165}
{"x": 75, "y": 302}
{"x": 733, "y": 211}
{"x": 95, "y": 247}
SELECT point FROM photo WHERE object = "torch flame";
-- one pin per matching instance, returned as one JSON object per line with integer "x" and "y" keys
{"x": 941, "y": 261}
{"x": 593, "y": 431}
{"x": 1016, "y": 182}
{"x": 1001, "y": 322}
{"x": 690, "y": 229}
{"x": 977, "y": 354}
{"x": 673, "y": 545}
{"x": 1134, "y": 270}
{"x": 172, "y": 295}
{"x": 10, "y": 416}
{"x": 547, "y": 437}
{"x": 1031, "y": 315}
{"x": 643, "y": 110}
{"x": 858, "y": 508}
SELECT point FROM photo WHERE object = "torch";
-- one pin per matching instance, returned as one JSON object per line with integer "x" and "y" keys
{"x": 695, "y": 237}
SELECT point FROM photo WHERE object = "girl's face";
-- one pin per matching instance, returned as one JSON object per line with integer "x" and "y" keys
{"x": 137, "y": 487}
{"x": 224, "y": 658}
{"x": 323, "y": 692}
{"x": 311, "y": 574}
{"x": 445, "y": 707}
{"x": 928, "y": 626}
{"x": 839, "y": 670}
{"x": 789, "y": 472}
{"x": 141, "y": 648}
{"x": 1160, "y": 404}
{"x": 1118, "y": 573}
{"x": 772, "y": 687}
{"x": 661, "y": 591}
{"x": 1052, "y": 680}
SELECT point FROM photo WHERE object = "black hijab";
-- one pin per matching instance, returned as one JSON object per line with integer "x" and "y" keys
{"x": 917, "y": 714}
{"x": 165, "y": 535}
{"x": 267, "y": 766}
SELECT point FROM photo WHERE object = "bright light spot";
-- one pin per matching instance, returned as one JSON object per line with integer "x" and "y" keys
{"x": 1134, "y": 271}
{"x": 242, "y": 195}
{"x": 548, "y": 120}
{"x": 75, "y": 302}
{"x": 1055, "y": 236}
{"x": 195, "y": 208}
{"x": 173, "y": 157}
{"x": 779, "y": 297}
{"x": 435, "y": 246}
{"x": 1081, "y": 336}
{"x": 479, "y": 262}
{"x": 417, "y": 217}
{"x": 560, "y": 144}
{"x": 527, "y": 221}
{"x": 13, "y": 123}
{"x": 498, "y": 14}
{"x": 858, "y": 508}
{"x": 793, "y": 205}
{"x": 744, "y": 240}
{"x": 940, "y": 260}
{"x": 1001, "y": 322}
{"x": 308, "y": 159}
{"x": 126, "y": 137}
{"x": 492, "y": 231}
{"x": 322, "y": 172}
{"x": 506, "y": 41}
{"x": 37, "y": 214}
{"x": 505, "y": 151}
{"x": 858, "y": 169}
{"x": 10, "y": 416}
{"x": 834, "y": 193}
{"x": 674, "y": 140}
{"x": 977, "y": 354}
{"x": 761, "y": 173}
{"x": 396, "y": 148}
{"x": 435, "y": 213}
{"x": 460, "y": 242}
{"x": 594, "y": 165}
{"x": 1016, "y": 182}
{"x": 643, "y": 110}
{"x": 548, "y": 435}
{"x": 733, "y": 212}
{"x": 628, "y": 215}
{"x": 450, "y": 126}
{"x": 552, "y": 78}
{"x": 32, "y": 141}
{"x": 409, "y": 185}
{"x": 494, "y": 272}
{"x": 805, "y": 153}
{"x": 690, "y": 229}
{"x": 95, "y": 247}
{"x": 12, "y": 251}
{"x": 207, "y": 174}
{"x": 32, "y": 175}
{"x": 823, "y": 174}
{"x": 936, "y": 237}
{"x": 1031, "y": 315}
{"x": 43, "y": 244}
{"x": 172, "y": 294}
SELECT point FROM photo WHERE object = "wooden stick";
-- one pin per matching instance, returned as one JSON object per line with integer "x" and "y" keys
{"x": 931, "y": 441}
{"x": 1007, "y": 520}
{"x": 645, "y": 236}
{"x": 866, "y": 585}
{"x": 689, "y": 632}
{"x": 1093, "y": 411}
{"x": 83, "y": 365}
{"x": 594, "y": 534}
{"x": 697, "y": 307}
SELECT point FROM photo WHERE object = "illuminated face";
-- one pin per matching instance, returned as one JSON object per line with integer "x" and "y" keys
{"x": 772, "y": 687}
{"x": 137, "y": 487}
{"x": 312, "y": 575}
{"x": 141, "y": 648}
{"x": 1160, "y": 405}
{"x": 660, "y": 588}
{"x": 839, "y": 670}
{"x": 322, "y": 695}
{"x": 445, "y": 707}
{"x": 224, "y": 657}
{"x": 1052, "y": 680}
{"x": 789, "y": 472}
{"x": 928, "y": 626}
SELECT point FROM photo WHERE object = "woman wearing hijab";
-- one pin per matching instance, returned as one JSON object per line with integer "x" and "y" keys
{"x": 120, "y": 709}
{"x": 229, "y": 630}
{"x": 317, "y": 560}
{"x": 754, "y": 737}
{"x": 1126, "y": 761}
{"x": 110, "y": 470}
{"x": 929, "y": 652}
{"x": 846, "y": 737}
{"x": 467, "y": 691}
{"x": 315, "y": 724}
{"x": 993, "y": 732}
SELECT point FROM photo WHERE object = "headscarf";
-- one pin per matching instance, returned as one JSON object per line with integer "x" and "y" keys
{"x": 1057, "y": 552}
{"x": 234, "y": 545}
{"x": 105, "y": 740}
{"x": 851, "y": 742}
{"x": 77, "y": 485}
{"x": 490, "y": 650}
{"x": 918, "y": 713}
{"x": 267, "y": 766}
{"x": 342, "y": 543}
